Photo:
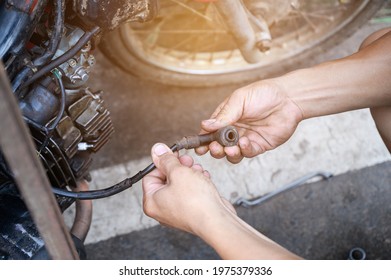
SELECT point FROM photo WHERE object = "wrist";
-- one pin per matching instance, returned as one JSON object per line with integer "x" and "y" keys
{"x": 314, "y": 91}
{"x": 210, "y": 220}
{"x": 301, "y": 88}
{"x": 232, "y": 238}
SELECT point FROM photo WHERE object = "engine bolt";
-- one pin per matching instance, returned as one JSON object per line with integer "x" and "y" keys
{"x": 72, "y": 63}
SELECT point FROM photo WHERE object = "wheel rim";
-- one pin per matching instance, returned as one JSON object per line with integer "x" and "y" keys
{"x": 200, "y": 45}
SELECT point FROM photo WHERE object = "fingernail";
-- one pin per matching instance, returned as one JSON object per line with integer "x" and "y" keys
{"x": 208, "y": 122}
{"x": 160, "y": 149}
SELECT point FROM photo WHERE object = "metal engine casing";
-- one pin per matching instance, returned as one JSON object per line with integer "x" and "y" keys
{"x": 85, "y": 125}
{"x": 108, "y": 14}
{"x": 83, "y": 130}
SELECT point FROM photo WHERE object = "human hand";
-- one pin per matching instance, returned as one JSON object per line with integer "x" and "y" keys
{"x": 179, "y": 193}
{"x": 264, "y": 116}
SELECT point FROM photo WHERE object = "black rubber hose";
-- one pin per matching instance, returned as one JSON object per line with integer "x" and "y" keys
{"x": 65, "y": 57}
{"x": 62, "y": 102}
{"x": 57, "y": 32}
{"x": 117, "y": 188}
{"x": 21, "y": 78}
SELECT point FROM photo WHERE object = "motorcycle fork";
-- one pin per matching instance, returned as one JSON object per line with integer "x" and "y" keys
{"x": 251, "y": 33}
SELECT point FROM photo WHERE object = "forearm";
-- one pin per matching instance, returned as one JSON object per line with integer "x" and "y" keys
{"x": 232, "y": 238}
{"x": 359, "y": 81}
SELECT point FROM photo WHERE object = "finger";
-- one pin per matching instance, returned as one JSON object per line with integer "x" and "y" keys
{"x": 233, "y": 154}
{"x": 216, "y": 150}
{"x": 164, "y": 158}
{"x": 249, "y": 148}
{"x": 201, "y": 150}
{"x": 197, "y": 167}
{"x": 186, "y": 160}
{"x": 226, "y": 113}
{"x": 205, "y": 123}
{"x": 152, "y": 182}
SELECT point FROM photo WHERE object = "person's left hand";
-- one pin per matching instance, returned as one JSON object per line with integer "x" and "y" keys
{"x": 180, "y": 194}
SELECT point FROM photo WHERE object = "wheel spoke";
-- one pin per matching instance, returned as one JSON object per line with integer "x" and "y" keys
{"x": 202, "y": 38}
{"x": 192, "y": 10}
{"x": 305, "y": 17}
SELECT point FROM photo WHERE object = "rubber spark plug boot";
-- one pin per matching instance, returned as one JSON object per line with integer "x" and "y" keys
{"x": 227, "y": 136}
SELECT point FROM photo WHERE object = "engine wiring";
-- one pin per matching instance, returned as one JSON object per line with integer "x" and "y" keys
{"x": 47, "y": 55}
{"x": 55, "y": 38}
{"x": 63, "y": 58}
{"x": 54, "y": 124}
{"x": 110, "y": 191}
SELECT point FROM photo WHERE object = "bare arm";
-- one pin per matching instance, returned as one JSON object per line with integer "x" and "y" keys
{"x": 270, "y": 110}
{"x": 232, "y": 238}
{"x": 362, "y": 80}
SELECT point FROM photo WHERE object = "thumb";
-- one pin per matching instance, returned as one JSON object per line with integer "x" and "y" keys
{"x": 163, "y": 158}
{"x": 227, "y": 113}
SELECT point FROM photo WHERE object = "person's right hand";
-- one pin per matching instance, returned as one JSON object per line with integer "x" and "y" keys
{"x": 264, "y": 115}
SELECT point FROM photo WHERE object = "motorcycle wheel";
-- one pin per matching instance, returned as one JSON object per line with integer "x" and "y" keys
{"x": 187, "y": 45}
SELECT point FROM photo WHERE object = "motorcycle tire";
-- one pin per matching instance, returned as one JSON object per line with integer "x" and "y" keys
{"x": 130, "y": 51}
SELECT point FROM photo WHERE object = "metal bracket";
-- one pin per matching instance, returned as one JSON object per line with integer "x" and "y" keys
{"x": 253, "y": 202}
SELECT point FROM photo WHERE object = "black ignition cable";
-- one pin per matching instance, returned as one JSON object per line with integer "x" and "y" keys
{"x": 226, "y": 136}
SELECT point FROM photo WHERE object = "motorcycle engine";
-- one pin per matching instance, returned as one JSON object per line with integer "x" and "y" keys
{"x": 68, "y": 121}
{"x": 85, "y": 125}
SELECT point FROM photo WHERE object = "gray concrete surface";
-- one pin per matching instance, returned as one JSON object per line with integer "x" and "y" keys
{"x": 322, "y": 220}
{"x": 144, "y": 113}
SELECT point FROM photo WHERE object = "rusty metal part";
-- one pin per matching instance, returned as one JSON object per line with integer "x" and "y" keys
{"x": 70, "y": 136}
{"x": 108, "y": 14}
{"x": 83, "y": 217}
{"x": 31, "y": 179}
{"x": 88, "y": 35}
{"x": 236, "y": 18}
{"x": 227, "y": 136}
{"x": 77, "y": 69}
{"x": 294, "y": 184}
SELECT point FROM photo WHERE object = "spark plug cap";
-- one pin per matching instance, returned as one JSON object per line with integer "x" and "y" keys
{"x": 226, "y": 136}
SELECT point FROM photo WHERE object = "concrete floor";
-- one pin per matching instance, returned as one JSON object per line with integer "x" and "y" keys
{"x": 143, "y": 113}
{"x": 322, "y": 220}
